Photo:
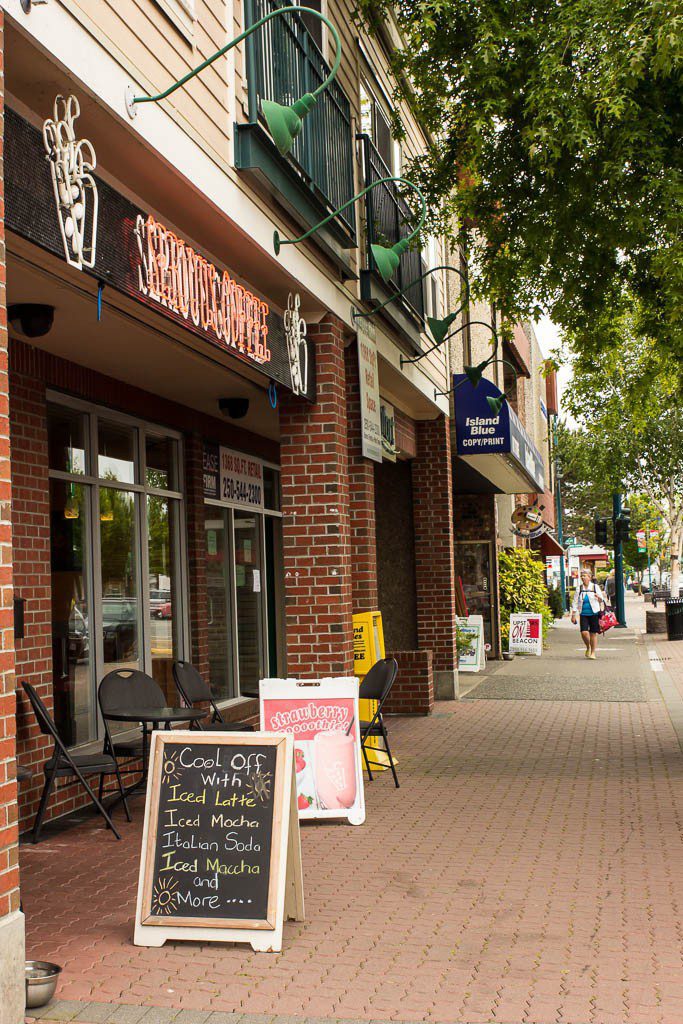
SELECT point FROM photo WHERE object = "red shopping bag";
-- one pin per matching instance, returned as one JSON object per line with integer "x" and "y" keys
{"x": 607, "y": 619}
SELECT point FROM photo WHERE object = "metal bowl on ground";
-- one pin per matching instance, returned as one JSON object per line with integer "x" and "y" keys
{"x": 41, "y": 982}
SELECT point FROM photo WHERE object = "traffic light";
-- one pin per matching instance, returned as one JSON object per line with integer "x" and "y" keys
{"x": 601, "y": 531}
{"x": 622, "y": 525}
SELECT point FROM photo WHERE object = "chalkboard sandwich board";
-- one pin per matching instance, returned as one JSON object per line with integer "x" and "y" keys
{"x": 221, "y": 853}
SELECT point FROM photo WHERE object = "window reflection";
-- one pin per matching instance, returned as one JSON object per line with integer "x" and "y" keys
{"x": 119, "y": 561}
{"x": 161, "y": 462}
{"x": 116, "y": 452}
{"x": 66, "y": 439}
{"x": 164, "y": 620}
{"x": 71, "y": 640}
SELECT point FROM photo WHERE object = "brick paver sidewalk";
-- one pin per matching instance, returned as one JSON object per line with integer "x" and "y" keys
{"x": 528, "y": 870}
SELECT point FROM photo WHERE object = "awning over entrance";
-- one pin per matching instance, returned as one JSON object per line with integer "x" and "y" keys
{"x": 550, "y": 546}
{"x": 497, "y": 447}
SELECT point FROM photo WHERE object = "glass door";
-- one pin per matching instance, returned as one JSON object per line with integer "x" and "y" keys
{"x": 473, "y": 565}
{"x": 248, "y": 600}
{"x": 218, "y": 565}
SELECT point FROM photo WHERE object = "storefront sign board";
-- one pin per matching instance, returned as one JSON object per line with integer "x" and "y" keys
{"x": 221, "y": 853}
{"x": 473, "y": 659}
{"x": 322, "y": 717}
{"x": 526, "y": 633}
{"x": 141, "y": 256}
{"x": 370, "y": 419}
{"x": 479, "y": 432}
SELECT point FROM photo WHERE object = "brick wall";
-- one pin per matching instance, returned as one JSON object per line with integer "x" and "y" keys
{"x": 31, "y": 555}
{"x": 361, "y": 496}
{"x": 413, "y": 691}
{"x": 434, "y": 567}
{"x": 315, "y": 505}
{"x": 11, "y": 920}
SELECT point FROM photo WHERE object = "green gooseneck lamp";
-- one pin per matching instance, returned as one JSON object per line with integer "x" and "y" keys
{"x": 386, "y": 258}
{"x": 284, "y": 122}
{"x": 458, "y": 330}
{"x": 438, "y": 328}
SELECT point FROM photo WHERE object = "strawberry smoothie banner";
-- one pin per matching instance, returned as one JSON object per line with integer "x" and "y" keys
{"x": 322, "y": 716}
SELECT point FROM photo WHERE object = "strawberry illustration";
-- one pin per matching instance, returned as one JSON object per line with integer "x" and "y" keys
{"x": 300, "y": 760}
{"x": 304, "y": 802}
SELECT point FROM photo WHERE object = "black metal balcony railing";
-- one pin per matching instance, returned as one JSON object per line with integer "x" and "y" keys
{"x": 390, "y": 218}
{"x": 283, "y": 63}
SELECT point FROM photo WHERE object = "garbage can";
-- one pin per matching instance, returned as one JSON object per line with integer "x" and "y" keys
{"x": 674, "y": 618}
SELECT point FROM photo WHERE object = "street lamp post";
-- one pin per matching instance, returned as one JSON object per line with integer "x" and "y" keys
{"x": 619, "y": 594}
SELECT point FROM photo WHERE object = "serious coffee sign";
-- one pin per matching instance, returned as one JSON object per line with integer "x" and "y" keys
{"x": 133, "y": 252}
{"x": 218, "y": 859}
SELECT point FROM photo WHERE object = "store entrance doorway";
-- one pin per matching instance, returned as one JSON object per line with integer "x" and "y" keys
{"x": 473, "y": 564}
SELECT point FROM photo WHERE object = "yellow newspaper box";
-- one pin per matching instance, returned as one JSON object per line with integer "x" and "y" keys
{"x": 368, "y": 647}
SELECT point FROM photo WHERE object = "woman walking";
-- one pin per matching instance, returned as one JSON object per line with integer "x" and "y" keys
{"x": 588, "y": 602}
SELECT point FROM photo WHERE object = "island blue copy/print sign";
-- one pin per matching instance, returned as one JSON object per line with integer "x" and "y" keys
{"x": 221, "y": 857}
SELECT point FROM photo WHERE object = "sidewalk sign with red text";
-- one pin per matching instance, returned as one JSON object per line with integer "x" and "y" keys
{"x": 526, "y": 633}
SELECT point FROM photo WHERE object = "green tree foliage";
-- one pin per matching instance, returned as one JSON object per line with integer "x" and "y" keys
{"x": 562, "y": 124}
{"x": 627, "y": 405}
{"x": 522, "y": 588}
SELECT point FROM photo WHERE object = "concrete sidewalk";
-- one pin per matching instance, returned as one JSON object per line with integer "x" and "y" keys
{"x": 528, "y": 870}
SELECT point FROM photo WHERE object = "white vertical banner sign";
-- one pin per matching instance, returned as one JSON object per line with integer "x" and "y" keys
{"x": 371, "y": 424}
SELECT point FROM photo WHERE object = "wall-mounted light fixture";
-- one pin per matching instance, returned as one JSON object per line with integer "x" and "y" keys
{"x": 386, "y": 257}
{"x": 284, "y": 122}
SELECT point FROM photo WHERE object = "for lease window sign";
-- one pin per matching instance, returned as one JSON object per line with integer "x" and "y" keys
{"x": 241, "y": 479}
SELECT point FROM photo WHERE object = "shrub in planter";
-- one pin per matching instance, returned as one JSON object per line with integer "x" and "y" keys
{"x": 522, "y": 588}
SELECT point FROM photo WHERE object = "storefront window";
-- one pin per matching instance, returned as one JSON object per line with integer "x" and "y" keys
{"x": 119, "y": 572}
{"x": 66, "y": 440}
{"x": 117, "y": 566}
{"x": 161, "y": 461}
{"x": 164, "y": 613}
{"x": 116, "y": 452}
{"x": 74, "y": 705}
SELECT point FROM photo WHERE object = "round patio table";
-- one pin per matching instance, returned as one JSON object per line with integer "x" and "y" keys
{"x": 153, "y": 717}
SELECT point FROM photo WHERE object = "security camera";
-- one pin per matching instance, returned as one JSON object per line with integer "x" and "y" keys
{"x": 234, "y": 408}
{"x": 32, "y": 319}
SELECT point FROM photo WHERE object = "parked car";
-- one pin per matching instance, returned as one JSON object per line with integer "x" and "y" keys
{"x": 163, "y": 611}
{"x": 120, "y": 627}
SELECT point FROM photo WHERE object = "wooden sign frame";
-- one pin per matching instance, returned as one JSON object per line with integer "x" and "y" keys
{"x": 343, "y": 688}
{"x": 285, "y": 886}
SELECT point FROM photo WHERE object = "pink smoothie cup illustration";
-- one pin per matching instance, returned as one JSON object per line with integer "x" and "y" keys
{"x": 334, "y": 756}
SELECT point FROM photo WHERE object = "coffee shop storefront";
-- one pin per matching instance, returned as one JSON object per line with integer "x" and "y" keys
{"x": 144, "y": 385}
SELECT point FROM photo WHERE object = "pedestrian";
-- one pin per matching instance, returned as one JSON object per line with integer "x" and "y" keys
{"x": 588, "y": 601}
{"x": 610, "y": 588}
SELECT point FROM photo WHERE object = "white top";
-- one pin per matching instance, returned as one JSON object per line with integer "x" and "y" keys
{"x": 595, "y": 596}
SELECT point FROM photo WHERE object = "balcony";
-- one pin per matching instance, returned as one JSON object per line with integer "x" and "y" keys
{"x": 389, "y": 218}
{"x": 284, "y": 62}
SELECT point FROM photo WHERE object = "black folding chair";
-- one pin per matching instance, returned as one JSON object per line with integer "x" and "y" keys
{"x": 63, "y": 764}
{"x": 128, "y": 688}
{"x": 377, "y": 686}
{"x": 195, "y": 690}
